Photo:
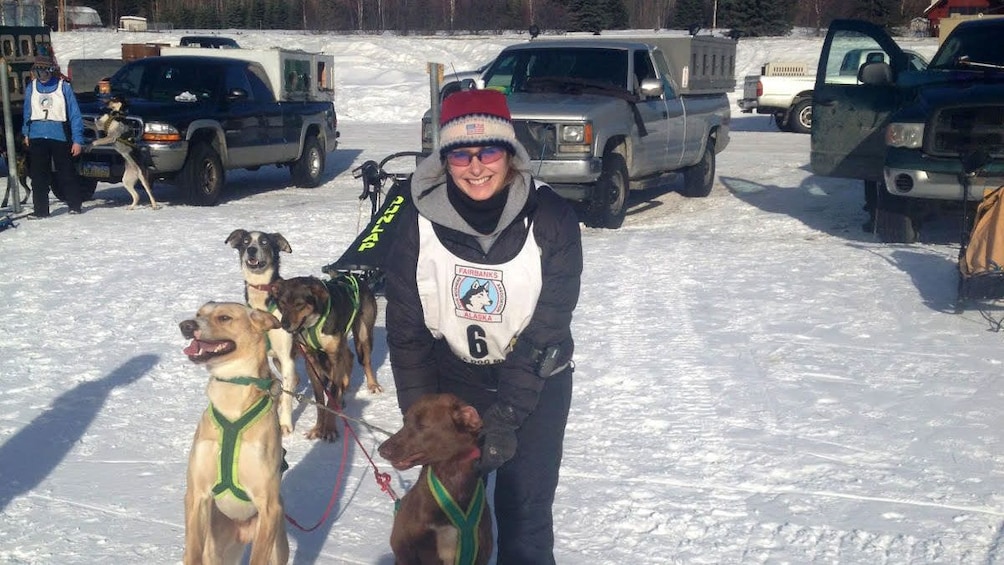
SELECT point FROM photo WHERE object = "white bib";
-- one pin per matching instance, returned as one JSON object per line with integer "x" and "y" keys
{"x": 49, "y": 106}
{"x": 477, "y": 308}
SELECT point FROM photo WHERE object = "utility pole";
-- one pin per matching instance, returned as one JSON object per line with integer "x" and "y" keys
{"x": 62, "y": 15}
{"x": 714, "y": 16}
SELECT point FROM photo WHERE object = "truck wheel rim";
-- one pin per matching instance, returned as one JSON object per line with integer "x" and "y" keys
{"x": 208, "y": 177}
{"x": 315, "y": 163}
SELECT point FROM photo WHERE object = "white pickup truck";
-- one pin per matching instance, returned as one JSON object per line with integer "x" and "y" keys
{"x": 785, "y": 89}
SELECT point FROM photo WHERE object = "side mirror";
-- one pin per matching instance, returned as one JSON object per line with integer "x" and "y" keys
{"x": 453, "y": 87}
{"x": 875, "y": 74}
{"x": 237, "y": 94}
{"x": 651, "y": 87}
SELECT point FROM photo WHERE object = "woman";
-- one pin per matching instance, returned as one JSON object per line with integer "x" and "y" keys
{"x": 53, "y": 131}
{"x": 480, "y": 293}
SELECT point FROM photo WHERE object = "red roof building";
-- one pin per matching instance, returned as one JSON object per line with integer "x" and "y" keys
{"x": 944, "y": 8}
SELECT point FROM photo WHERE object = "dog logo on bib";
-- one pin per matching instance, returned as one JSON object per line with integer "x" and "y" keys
{"x": 478, "y": 294}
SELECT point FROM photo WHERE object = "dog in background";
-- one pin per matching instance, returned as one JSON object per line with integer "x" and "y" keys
{"x": 117, "y": 134}
{"x": 21, "y": 172}
{"x": 259, "y": 256}
{"x": 443, "y": 519}
{"x": 232, "y": 496}
{"x": 320, "y": 314}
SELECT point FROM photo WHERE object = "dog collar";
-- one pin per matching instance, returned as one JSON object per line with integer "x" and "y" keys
{"x": 466, "y": 522}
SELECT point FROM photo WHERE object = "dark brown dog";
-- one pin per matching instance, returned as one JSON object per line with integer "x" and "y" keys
{"x": 440, "y": 433}
{"x": 320, "y": 315}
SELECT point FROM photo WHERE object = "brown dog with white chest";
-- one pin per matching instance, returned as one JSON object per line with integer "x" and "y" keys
{"x": 443, "y": 519}
{"x": 232, "y": 496}
{"x": 321, "y": 314}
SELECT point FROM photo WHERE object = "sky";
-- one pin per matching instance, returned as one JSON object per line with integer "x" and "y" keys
{"x": 757, "y": 380}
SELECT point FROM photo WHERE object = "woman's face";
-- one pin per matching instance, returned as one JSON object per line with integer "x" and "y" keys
{"x": 480, "y": 172}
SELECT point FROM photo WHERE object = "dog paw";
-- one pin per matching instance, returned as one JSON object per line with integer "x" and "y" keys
{"x": 374, "y": 388}
{"x": 286, "y": 429}
{"x": 321, "y": 433}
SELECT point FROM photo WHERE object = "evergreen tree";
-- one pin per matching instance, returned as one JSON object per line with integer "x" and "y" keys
{"x": 880, "y": 12}
{"x": 597, "y": 15}
{"x": 757, "y": 18}
{"x": 688, "y": 13}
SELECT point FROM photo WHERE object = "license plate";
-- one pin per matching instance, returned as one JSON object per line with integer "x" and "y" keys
{"x": 95, "y": 170}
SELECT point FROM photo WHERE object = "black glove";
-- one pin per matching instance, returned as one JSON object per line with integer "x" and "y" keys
{"x": 498, "y": 437}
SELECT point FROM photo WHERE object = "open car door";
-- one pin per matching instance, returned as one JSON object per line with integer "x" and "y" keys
{"x": 848, "y": 116}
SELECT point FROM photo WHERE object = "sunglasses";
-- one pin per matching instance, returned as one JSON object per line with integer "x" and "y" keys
{"x": 485, "y": 155}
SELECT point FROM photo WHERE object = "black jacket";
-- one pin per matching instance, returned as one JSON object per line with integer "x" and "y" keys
{"x": 419, "y": 360}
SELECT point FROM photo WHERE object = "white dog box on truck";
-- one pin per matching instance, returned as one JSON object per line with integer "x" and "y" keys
{"x": 699, "y": 64}
{"x": 293, "y": 74}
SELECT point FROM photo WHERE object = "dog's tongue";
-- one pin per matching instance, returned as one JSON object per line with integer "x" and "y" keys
{"x": 193, "y": 348}
{"x": 201, "y": 349}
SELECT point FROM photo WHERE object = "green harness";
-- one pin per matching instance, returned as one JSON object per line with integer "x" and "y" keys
{"x": 230, "y": 446}
{"x": 467, "y": 523}
{"x": 312, "y": 335}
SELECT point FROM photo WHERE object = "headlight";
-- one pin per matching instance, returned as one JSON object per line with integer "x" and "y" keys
{"x": 573, "y": 134}
{"x": 910, "y": 136}
{"x": 158, "y": 132}
{"x": 575, "y": 138}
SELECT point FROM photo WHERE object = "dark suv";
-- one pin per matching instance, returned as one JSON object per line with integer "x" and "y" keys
{"x": 208, "y": 41}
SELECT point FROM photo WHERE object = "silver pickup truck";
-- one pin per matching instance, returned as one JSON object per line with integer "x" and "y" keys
{"x": 602, "y": 116}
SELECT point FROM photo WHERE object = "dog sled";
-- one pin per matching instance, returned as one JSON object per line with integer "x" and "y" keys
{"x": 981, "y": 253}
{"x": 385, "y": 190}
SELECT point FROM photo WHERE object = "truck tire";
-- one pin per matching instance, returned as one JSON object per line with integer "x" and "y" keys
{"x": 202, "y": 176}
{"x": 608, "y": 203}
{"x": 781, "y": 121}
{"x": 801, "y": 116}
{"x": 893, "y": 221}
{"x": 307, "y": 170}
{"x": 698, "y": 179}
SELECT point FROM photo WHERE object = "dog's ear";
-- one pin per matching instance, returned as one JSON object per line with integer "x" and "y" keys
{"x": 468, "y": 418}
{"x": 320, "y": 292}
{"x": 273, "y": 288}
{"x": 235, "y": 237}
{"x": 281, "y": 243}
{"x": 264, "y": 321}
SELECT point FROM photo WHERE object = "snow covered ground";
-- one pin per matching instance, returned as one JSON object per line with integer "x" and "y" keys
{"x": 757, "y": 380}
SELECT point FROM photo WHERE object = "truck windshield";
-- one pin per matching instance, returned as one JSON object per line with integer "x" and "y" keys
{"x": 603, "y": 68}
{"x": 167, "y": 79}
{"x": 970, "y": 48}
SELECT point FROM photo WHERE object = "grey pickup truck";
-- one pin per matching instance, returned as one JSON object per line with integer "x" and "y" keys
{"x": 601, "y": 116}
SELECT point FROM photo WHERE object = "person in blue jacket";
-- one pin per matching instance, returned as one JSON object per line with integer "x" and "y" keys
{"x": 53, "y": 132}
{"x": 483, "y": 280}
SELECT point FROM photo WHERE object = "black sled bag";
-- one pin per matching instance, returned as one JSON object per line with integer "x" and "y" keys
{"x": 367, "y": 255}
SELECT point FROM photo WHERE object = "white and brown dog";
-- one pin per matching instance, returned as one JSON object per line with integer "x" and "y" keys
{"x": 116, "y": 133}
{"x": 259, "y": 257}
{"x": 235, "y": 465}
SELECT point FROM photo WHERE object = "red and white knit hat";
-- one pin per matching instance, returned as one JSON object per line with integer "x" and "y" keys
{"x": 475, "y": 118}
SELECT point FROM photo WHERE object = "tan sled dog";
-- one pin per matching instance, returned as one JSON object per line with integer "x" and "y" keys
{"x": 236, "y": 463}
